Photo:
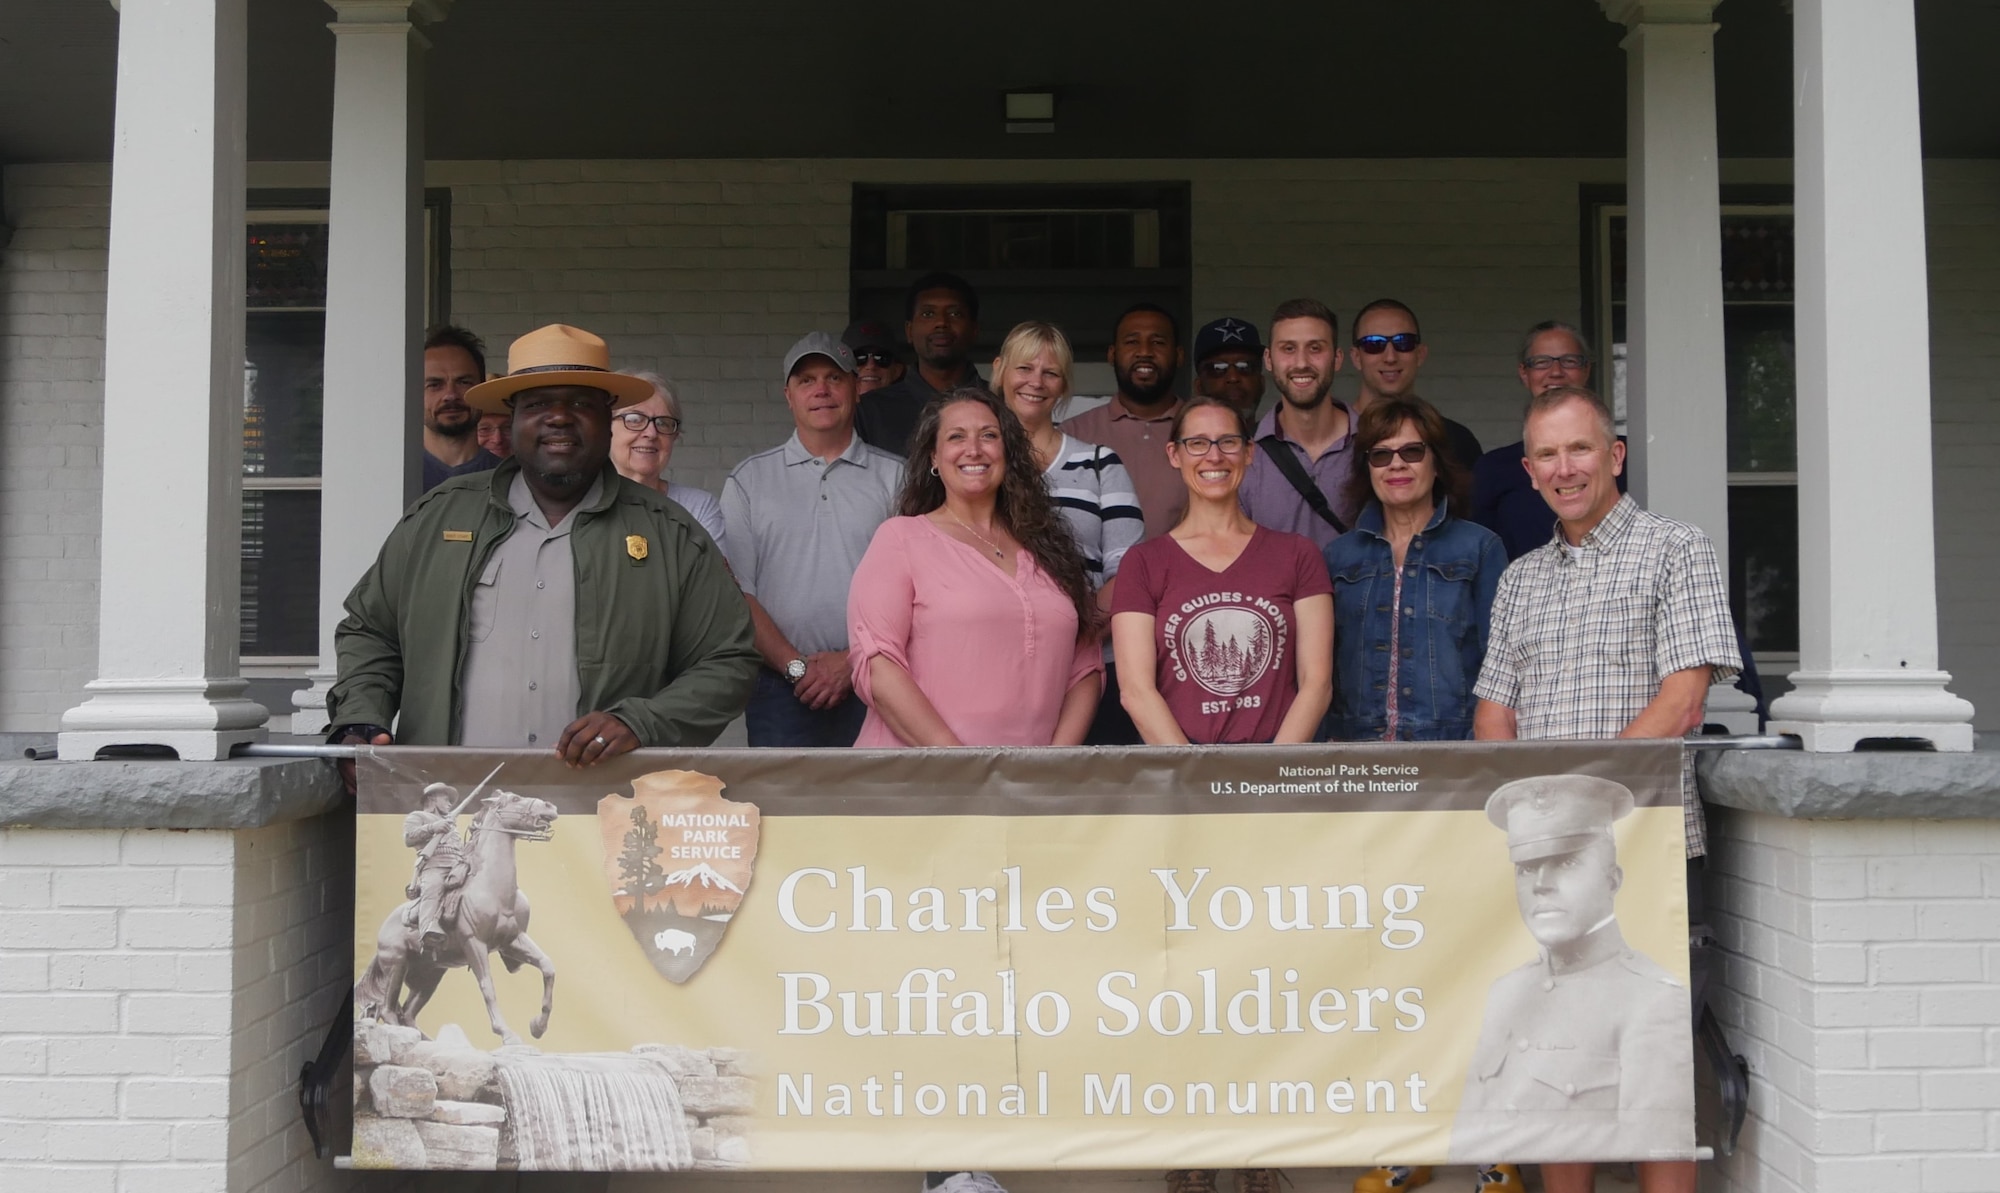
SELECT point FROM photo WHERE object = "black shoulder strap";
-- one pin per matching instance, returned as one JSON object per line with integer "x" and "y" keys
{"x": 1280, "y": 454}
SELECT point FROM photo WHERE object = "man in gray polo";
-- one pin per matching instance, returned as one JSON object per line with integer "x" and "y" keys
{"x": 800, "y": 516}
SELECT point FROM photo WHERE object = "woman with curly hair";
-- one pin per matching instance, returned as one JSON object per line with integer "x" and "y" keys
{"x": 971, "y": 620}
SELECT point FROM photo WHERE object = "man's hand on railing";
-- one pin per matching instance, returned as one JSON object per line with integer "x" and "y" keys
{"x": 356, "y": 735}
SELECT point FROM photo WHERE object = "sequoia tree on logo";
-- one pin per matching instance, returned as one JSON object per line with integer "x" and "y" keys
{"x": 1227, "y": 649}
{"x": 678, "y": 857}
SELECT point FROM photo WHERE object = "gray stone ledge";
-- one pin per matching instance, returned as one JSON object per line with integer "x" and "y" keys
{"x": 1883, "y": 785}
{"x": 238, "y": 794}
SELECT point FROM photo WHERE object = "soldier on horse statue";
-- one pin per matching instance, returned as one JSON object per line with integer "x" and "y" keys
{"x": 432, "y": 830}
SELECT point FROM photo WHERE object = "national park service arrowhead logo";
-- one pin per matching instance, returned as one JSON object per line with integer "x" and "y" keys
{"x": 678, "y": 857}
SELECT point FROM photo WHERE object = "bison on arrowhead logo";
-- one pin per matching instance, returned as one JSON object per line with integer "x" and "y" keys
{"x": 678, "y": 857}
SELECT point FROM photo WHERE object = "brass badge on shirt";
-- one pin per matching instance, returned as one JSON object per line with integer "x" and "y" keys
{"x": 635, "y": 546}
{"x": 458, "y": 536}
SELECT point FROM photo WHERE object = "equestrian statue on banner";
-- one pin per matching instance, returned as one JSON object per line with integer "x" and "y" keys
{"x": 464, "y": 902}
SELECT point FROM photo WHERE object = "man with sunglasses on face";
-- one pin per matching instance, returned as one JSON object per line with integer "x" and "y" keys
{"x": 1229, "y": 364}
{"x": 876, "y": 364}
{"x": 1389, "y": 352}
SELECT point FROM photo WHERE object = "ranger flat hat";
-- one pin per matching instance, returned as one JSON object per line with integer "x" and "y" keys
{"x": 557, "y": 355}
{"x": 1552, "y": 814}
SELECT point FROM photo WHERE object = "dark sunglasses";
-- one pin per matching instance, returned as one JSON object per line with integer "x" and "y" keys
{"x": 1411, "y": 453}
{"x": 1222, "y": 368}
{"x": 1404, "y": 341}
{"x": 872, "y": 356}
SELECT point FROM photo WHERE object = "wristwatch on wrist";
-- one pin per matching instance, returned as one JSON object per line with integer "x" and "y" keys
{"x": 795, "y": 671}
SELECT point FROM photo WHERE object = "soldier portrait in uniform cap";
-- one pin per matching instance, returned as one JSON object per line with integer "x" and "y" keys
{"x": 1586, "y": 1052}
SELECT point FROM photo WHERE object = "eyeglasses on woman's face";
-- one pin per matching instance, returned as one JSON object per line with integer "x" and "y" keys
{"x": 635, "y": 422}
{"x": 1199, "y": 445}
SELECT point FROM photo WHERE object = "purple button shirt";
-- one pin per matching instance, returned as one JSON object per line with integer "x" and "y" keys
{"x": 1270, "y": 499}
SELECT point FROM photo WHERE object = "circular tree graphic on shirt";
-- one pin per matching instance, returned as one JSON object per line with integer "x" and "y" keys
{"x": 1227, "y": 649}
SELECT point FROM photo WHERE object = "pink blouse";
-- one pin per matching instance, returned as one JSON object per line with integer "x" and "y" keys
{"x": 995, "y": 653}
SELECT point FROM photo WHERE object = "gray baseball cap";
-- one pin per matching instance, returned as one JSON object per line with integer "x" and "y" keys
{"x": 819, "y": 343}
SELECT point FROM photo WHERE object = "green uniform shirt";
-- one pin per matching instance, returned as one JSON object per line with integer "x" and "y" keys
{"x": 662, "y": 633}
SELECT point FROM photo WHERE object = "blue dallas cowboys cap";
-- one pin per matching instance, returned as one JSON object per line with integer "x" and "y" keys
{"x": 1225, "y": 335}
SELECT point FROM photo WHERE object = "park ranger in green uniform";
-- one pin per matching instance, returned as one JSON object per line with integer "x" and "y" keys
{"x": 1584, "y": 1053}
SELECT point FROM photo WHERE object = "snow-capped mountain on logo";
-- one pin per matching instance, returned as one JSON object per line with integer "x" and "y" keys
{"x": 701, "y": 876}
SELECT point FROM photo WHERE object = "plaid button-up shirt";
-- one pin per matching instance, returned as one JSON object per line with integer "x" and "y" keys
{"x": 1581, "y": 639}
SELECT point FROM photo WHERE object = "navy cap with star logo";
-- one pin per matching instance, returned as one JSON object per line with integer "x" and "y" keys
{"x": 1226, "y": 335}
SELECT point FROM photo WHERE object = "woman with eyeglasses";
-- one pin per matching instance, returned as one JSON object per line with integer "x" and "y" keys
{"x": 642, "y": 441}
{"x": 971, "y": 620}
{"x": 1223, "y": 629}
{"x": 1413, "y": 583}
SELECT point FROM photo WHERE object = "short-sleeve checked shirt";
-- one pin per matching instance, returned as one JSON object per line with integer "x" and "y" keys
{"x": 1581, "y": 639}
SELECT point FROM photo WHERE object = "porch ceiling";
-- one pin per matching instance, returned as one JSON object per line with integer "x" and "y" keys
{"x": 647, "y": 78}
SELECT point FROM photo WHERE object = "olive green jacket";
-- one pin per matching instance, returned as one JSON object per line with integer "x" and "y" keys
{"x": 662, "y": 631}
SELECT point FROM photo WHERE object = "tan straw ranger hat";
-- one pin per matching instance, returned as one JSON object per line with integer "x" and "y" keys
{"x": 557, "y": 355}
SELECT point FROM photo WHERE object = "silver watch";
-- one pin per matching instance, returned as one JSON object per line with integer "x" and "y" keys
{"x": 795, "y": 670}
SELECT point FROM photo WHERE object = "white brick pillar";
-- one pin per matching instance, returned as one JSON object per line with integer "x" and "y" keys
{"x": 1675, "y": 387}
{"x": 1868, "y": 654}
{"x": 168, "y": 604}
{"x": 374, "y": 304}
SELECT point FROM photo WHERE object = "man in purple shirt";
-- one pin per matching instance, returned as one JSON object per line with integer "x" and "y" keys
{"x": 1304, "y": 444}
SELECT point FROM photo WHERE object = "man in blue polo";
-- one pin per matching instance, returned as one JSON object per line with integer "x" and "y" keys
{"x": 800, "y": 516}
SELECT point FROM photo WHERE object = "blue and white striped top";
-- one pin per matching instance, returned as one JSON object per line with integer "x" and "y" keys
{"x": 1094, "y": 493}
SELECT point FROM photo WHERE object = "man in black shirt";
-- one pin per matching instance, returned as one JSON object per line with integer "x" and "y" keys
{"x": 1388, "y": 352}
{"x": 942, "y": 313}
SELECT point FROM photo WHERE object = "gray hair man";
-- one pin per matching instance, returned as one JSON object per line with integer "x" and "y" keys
{"x": 800, "y": 516}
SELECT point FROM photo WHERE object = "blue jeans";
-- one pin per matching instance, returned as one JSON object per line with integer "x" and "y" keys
{"x": 775, "y": 717}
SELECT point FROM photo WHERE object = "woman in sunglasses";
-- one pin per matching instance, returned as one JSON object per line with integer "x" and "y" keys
{"x": 1223, "y": 629}
{"x": 642, "y": 441}
{"x": 1413, "y": 583}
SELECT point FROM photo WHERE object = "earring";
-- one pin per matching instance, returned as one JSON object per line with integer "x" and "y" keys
{"x": 934, "y": 470}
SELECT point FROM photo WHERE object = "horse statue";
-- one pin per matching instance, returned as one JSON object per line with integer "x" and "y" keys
{"x": 491, "y": 917}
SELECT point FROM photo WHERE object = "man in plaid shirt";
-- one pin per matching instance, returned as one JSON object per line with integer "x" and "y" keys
{"x": 1615, "y": 628}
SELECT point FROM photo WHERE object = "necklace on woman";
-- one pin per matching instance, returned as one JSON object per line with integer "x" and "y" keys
{"x": 997, "y": 552}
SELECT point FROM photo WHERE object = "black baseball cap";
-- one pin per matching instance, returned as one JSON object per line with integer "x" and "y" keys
{"x": 1227, "y": 334}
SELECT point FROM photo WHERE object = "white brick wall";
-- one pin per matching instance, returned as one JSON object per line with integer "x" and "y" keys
{"x": 51, "y": 411}
{"x": 707, "y": 270}
{"x": 1862, "y": 981}
{"x": 159, "y": 991}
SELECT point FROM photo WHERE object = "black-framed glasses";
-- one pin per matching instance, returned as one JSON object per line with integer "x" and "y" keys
{"x": 1409, "y": 453}
{"x": 635, "y": 422}
{"x": 1222, "y": 368}
{"x": 1570, "y": 361}
{"x": 1402, "y": 341}
{"x": 874, "y": 356}
{"x": 1199, "y": 445}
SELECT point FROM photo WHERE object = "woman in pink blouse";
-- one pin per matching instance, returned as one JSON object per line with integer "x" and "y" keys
{"x": 971, "y": 620}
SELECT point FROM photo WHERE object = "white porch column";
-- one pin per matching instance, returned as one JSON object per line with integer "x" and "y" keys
{"x": 374, "y": 304}
{"x": 168, "y": 604}
{"x": 1675, "y": 388}
{"x": 1868, "y": 656}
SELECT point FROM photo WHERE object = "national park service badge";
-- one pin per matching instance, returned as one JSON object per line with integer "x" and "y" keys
{"x": 635, "y": 546}
{"x": 678, "y": 858}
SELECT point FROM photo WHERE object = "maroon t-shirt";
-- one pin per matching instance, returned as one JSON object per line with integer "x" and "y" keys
{"x": 1224, "y": 640}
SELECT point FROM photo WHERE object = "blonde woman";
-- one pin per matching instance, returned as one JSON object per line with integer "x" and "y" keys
{"x": 1089, "y": 483}
{"x": 642, "y": 442}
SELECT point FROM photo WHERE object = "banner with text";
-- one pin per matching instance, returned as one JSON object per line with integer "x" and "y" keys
{"x": 963, "y": 959}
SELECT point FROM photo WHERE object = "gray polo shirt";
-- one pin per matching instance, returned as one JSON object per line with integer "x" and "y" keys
{"x": 798, "y": 527}
{"x": 521, "y": 687}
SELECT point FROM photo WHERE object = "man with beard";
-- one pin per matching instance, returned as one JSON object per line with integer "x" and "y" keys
{"x": 876, "y": 364}
{"x": 942, "y": 313}
{"x": 1145, "y": 357}
{"x": 1296, "y": 479}
{"x": 454, "y": 362}
{"x": 552, "y": 604}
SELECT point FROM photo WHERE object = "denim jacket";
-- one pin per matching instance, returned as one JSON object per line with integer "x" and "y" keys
{"x": 1451, "y": 572}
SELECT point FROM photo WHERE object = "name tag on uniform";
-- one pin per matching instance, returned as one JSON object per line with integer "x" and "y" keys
{"x": 458, "y": 536}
